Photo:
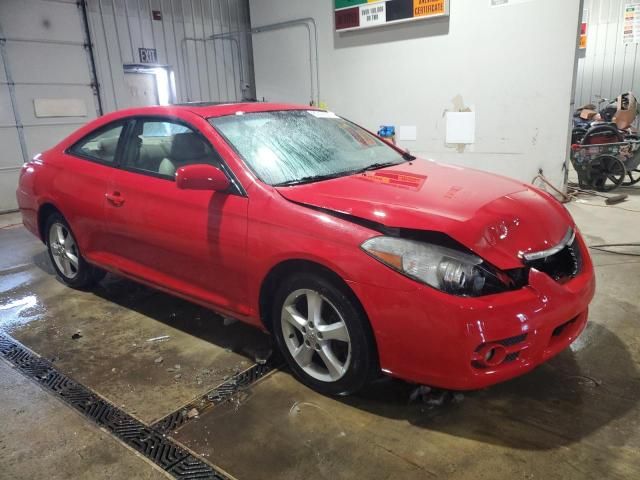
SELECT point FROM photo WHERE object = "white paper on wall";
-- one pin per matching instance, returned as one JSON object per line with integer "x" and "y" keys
{"x": 407, "y": 133}
{"x": 461, "y": 127}
{"x": 373, "y": 14}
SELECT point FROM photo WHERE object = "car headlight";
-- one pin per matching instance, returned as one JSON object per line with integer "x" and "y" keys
{"x": 448, "y": 270}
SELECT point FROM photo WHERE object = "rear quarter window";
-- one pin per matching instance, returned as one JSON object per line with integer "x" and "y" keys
{"x": 100, "y": 145}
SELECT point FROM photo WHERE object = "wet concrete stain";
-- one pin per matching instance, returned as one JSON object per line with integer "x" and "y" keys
{"x": 115, "y": 321}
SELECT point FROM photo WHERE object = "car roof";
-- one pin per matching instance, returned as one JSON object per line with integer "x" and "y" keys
{"x": 202, "y": 109}
{"x": 214, "y": 109}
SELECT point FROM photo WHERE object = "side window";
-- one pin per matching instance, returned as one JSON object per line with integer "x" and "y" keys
{"x": 161, "y": 147}
{"x": 100, "y": 145}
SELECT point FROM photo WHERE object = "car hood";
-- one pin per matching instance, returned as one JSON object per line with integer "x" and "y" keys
{"x": 497, "y": 218}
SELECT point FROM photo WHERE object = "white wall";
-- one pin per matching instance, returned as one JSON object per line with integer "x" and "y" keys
{"x": 607, "y": 67}
{"x": 513, "y": 65}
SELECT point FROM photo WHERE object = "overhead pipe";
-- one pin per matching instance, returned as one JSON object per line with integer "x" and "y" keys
{"x": 240, "y": 60}
{"x": 231, "y": 38}
{"x": 211, "y": 38}
{"x": 307, "y": 22}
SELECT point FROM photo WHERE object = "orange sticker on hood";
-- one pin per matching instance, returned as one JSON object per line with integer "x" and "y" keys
{"x": 396, "y": 179}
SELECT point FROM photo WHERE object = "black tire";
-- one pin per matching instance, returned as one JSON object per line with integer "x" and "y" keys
{"x": 363, "y": 364}
{"x": 85, "y": 275}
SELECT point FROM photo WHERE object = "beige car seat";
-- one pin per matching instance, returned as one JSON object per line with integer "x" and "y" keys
{"x": 186, "y": 149}
{"x": 107, "y": 148}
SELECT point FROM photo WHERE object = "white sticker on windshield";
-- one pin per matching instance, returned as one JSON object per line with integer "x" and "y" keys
{"x": 322, "y": 114}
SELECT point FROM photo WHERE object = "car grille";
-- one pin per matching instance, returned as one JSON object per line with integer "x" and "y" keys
{"x": 512, "y": 357}
{"x": 509, "y": 342}
{"x": 562, "y": 266}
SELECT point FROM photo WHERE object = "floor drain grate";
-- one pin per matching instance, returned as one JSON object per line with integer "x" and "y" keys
{"x": 224, "y": 392}
{"x": 148, "y": 441}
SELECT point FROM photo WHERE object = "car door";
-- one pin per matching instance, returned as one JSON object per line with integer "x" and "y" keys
{"x": 191, "y": 242}
{"x": 82, "y": 182}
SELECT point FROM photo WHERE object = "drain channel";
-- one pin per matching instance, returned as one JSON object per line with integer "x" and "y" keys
{"x": 146, "y": 440}
{"x": 223, "y": 393}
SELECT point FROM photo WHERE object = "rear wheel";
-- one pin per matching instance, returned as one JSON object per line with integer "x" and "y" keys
{"x": 323, "y": 334}
{"x": 65, "y": 255}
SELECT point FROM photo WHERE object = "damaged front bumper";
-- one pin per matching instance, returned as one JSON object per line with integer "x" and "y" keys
{"x": 459, "y": 343}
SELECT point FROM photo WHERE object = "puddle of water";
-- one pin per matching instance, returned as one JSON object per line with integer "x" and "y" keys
{"x": 19, "y": 311}
{"x": 24, "y": 302}
{"x": 11, "y": 281}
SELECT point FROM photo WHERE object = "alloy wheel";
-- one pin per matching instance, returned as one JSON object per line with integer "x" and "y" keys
{"x": 64, "y": 250}
{"x": 316, "y": 335}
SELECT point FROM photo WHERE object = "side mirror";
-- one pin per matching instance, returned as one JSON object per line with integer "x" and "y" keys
{"x": 202, "y": 177}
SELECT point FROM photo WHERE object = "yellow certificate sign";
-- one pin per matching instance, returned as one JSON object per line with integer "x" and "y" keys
{"x": 427, "y": 8}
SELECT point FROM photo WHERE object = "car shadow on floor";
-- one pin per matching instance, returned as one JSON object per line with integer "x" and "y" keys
{"x": 558, "y": 404}
{"x": 181, "y": 314}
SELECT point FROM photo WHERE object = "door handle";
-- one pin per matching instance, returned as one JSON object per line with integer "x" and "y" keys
{"x": 114, "y": 199}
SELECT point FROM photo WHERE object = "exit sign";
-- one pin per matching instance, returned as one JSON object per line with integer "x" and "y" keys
{"x": 148, "y": 55}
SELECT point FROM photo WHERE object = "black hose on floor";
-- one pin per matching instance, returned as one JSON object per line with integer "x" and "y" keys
{"x": 607, "y": 246}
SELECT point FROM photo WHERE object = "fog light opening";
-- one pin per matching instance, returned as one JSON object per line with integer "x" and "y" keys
{"x": 492, "y": 354}
{"x": 489, "y": 355}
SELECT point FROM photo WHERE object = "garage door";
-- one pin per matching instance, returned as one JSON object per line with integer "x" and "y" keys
{"x": 45, "y": 82}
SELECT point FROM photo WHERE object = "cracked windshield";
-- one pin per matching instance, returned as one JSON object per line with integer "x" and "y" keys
{"x": 293, "y": 147}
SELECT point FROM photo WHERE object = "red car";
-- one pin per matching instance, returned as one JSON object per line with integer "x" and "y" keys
{"x": 356, "y": 256}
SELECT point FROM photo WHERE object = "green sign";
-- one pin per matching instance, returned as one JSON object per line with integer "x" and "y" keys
{"x": 348, "y": 3}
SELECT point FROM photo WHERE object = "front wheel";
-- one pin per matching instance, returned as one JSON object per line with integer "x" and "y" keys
{"x": 65, "y": 255}
{"x": 323, "y": 334}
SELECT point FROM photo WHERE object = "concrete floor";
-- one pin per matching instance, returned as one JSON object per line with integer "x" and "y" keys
{"x": 43, "y": 438}
{"x": 577, "y": 416}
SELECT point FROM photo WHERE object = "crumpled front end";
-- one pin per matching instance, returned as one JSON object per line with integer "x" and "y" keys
{"x": 478, "y": 337}
{"x": 460, "y": 343}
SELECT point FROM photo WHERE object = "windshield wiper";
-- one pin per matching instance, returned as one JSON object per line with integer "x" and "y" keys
{"x": 317, "y": 178}
{"x": 377, "y": 166}
{"x": 313, "y": 178}
{"x": 406, "y": 156}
